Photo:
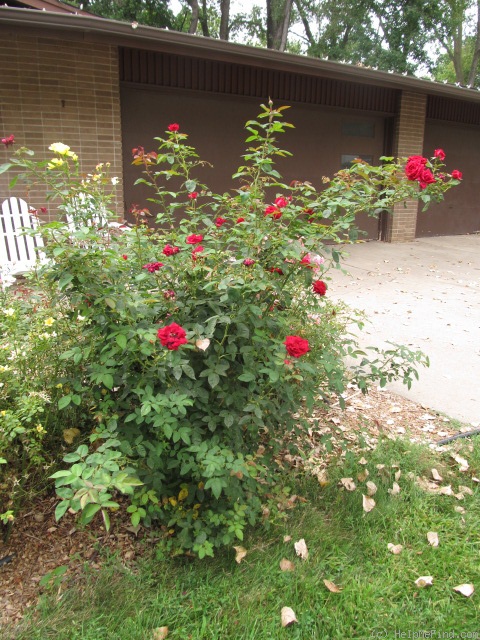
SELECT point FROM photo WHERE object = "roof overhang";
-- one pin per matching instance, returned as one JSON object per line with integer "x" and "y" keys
{"x": 94, "y": 29}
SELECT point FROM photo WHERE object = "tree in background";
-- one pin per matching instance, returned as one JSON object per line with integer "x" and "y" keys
{"x": 405, "y": 36}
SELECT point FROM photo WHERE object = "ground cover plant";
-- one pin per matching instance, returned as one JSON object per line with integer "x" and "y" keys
{"x": 351, "y": 585}
{"x": 191, "y": 353}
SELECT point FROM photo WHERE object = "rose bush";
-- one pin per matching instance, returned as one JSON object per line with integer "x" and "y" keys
{"x": 182, "y": 366}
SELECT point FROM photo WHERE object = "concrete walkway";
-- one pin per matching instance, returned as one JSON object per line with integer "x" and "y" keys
{"x": 424, "y": 294}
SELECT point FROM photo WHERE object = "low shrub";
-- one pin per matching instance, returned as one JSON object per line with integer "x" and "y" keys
{"x": 194, "y": 351}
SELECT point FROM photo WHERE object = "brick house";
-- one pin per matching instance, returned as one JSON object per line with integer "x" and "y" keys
{"x": 104, "y": 87}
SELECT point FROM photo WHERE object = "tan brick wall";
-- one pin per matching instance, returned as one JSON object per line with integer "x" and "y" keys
{"x": 408, "y": 140}
{"x": 57, "y": 91}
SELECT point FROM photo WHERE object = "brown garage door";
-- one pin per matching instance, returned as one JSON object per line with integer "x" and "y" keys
{"x": 460, "y": 212}
{"x": 322, "y": 139}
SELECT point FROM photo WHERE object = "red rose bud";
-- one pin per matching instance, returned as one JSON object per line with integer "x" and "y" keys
{"x": 248, "y": 262}
{"x": 457, "y": 175}
{"x": 440, "y": 154}
{"x": 172, "y": 336}
{"x": 193, "y": 195}
{"x": 220, "y": 221}
{"x": 195, "y": 238}
{"x": 168, "y": 250}
{"x": 276, "y": 270}
{"x": 8, "y": 140}
{"x": 169, "y": 294}
{"x": 319, "y": 287}
{"x": 296, "y": 346}
{"x": 239, "y": 220}
{"x": 173, "y": 127}
{"x": 125, "y": 257}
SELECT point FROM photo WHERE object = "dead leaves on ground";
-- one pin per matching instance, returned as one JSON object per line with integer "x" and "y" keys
{"x": 288, "y": 617}
{"x": 301, "y": 549}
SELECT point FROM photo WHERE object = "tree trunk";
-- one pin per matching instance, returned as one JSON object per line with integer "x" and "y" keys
{"x": 204, "y": 20}
{"x": 193, "y": 4}
{"x": 224, "y": 19}
{"x": 476, "y": 53}
{"x": 278, "y": 21}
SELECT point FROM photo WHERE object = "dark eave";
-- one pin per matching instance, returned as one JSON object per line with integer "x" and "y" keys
{"x": 93, "y": 29}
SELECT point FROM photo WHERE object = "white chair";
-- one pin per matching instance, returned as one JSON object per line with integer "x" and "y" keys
{"x": 83, "y": 211}
{"x": 19, "y": 251}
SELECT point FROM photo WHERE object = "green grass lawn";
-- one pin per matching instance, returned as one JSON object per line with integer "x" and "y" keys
{"x": 218, "y": 599}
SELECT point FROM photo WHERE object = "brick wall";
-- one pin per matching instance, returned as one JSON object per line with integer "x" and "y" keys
{"x": 408, "y": 140}
{"x": 52, "y": 90}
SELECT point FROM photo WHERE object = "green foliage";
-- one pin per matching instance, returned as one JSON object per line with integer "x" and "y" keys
{"x": 193, "y": 373}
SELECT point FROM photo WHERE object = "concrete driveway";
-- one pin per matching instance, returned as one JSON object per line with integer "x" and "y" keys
{"x": 424, "y": 294}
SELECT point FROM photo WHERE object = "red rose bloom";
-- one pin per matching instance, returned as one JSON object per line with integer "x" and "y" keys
{"x": 239, "y": 220}
{"x": 152, "y": 266}
{"x": 296, "y": 346}
{"x": 281, "y": 202}
{"x": 8, "y": 140}
{"x": 440, "y": 154}
{"x": 220, "y": 221}
{"x": 457, "y": 175}
{"x": 172, "y": 336}
{"x": 173, "y": 127}
{"x": 168, "y": 250}
{"x": 426, "y": 178}
{"x": 320, "y": 287}
{"x": 193, "y": 195}
{"x": 248, "y": 262}
{"x": 195, "y": 238}
{"x": 169, "y": 294}
{"x": 198, "y": 249}
{"x": 270, "y": 210}
{"x": 125, "y": 257}
{"x": 415, "y": 167}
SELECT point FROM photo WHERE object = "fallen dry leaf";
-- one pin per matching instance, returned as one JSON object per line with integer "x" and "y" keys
{"x": 396, "y": 549}
{"x": 459, "y": 496}
{"x": 241, "y": 552}
{"x": 368, "y": 503}
{"x": 446, "y": 491}
{"x": 461, "y": 461}
{"x": 202, "y": 344}
{"x": 465, "y": 589}
{"x": 69, "y": 435}
{"x": 288, "y": 616}
{"x": 160, "y": 633}
{"x": 432, "y": 538}
{"x": 331, "y": 586}
{"x": 395, "y": 490}
{"x": 398, "y": 475}
{"x": 348, "y": 483}
{"x": 371, "y": 488}
{"x": 363, "y": 475}
{"x": 424, "y": 581}
{"x": 466, "y": 490}
{"x": 459, "y": 509}
{"x": 287, "y": 538}
{"x": 286, "y": 565}
{"x": 301, "y": 549}
{"x": 322, "y": 478}
{"x": 362, "y": 461}
{"x": 436, "y": 476}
